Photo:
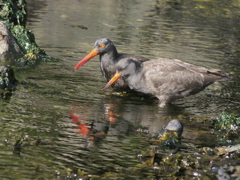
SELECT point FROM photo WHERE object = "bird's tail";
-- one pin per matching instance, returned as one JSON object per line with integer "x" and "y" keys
{"x": 222, "y": 76}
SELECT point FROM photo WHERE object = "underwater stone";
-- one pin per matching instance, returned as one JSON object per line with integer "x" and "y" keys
{"x": 7, "y": 78}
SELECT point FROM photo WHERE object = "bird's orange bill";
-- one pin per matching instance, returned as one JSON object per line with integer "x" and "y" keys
{"x": 92, "y": 54}
{"x": 114, "y": 79}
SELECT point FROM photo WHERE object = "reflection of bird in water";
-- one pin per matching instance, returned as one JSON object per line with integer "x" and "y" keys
{"x": 109, "y": 56}
{"x": 109, "y": 111}
{"x": 83, "y": 126}
{"x": 92, "y": 131}
{"x": 167, "y": 79}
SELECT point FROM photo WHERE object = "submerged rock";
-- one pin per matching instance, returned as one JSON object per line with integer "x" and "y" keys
{"x": 227, "y": 172}
{"x": 7, "y": 79}
{"x": 174, "y": 127}
{"x": 9, "y": 48}
{"x": 169, "y": 137}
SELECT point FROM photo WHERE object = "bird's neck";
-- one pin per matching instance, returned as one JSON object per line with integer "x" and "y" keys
{"x": 109, "y": 57}
{"x": 134, "y": 81}
{"x": 107, "y": 63}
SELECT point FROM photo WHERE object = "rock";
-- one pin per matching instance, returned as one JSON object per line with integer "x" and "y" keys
{"x": 7, "y": 79}
{"x": 227, "y": 172}
{"x": 170, "y": 136}
{"x": 9, "y": 48}
{"x": 14, "y": 11}
{"x": 229, "y": 149}
{"x": 175, "y": 126}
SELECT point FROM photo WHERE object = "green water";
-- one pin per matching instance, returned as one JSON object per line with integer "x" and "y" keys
{"x": 55, "y": 109}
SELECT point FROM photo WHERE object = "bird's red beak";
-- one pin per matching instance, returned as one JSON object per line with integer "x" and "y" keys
{"x": 92, "y": 54}
{"x": 114, "y": 79}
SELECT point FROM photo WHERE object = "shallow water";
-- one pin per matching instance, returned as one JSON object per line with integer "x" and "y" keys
{"x": 56, "y": 109}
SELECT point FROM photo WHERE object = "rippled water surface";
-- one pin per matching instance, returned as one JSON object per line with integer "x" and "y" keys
{"x": 55, "y": 110}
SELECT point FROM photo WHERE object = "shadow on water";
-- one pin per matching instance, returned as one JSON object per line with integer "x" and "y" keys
{"x": 59, "y": 123}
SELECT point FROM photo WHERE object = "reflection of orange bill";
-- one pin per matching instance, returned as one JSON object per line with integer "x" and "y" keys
{"x": 83, "y": 128}
{"x": 110, "y": 114}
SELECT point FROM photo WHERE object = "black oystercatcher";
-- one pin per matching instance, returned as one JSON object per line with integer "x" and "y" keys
{"x": 109, "y": 57}
{"x": 167, "y": 79}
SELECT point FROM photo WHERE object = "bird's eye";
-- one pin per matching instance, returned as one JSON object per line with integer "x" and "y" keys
{"x": 102, "y": 45}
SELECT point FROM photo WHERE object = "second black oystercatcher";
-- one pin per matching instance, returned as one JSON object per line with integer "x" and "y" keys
{"x": 109, "y": 57}
{"x": 167, "y": 79}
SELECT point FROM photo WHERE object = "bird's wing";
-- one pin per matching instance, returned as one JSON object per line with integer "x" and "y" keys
{"x": 133, "y": 57}
{"x": 171, "y": 76}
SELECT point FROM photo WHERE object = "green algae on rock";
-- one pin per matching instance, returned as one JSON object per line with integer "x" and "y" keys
{"x": 8, "y": 81}
{"x": 13, "y": 15}
{"x": 9, "y": 48}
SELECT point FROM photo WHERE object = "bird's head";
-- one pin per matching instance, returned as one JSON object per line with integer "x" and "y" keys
{"x": 102, "y": 46}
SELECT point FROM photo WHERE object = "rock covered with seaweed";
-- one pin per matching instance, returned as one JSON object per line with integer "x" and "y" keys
{"x": 18, "y": 49}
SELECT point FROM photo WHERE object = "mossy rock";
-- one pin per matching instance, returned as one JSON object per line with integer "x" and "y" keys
{"x": 7, "y": 79}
